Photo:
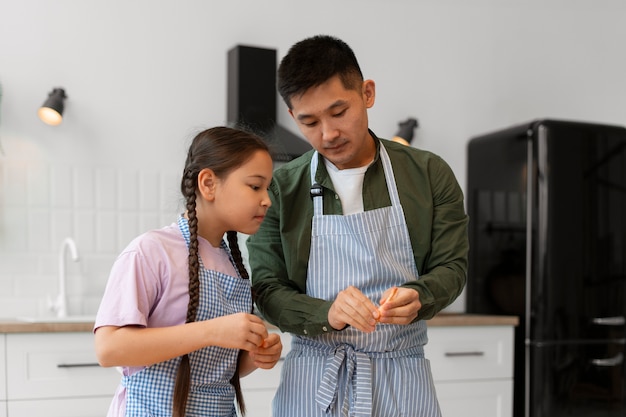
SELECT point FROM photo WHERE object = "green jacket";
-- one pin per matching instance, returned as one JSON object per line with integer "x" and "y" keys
{"x": 433, "y": 207}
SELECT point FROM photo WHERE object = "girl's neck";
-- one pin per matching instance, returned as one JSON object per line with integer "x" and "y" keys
{"x": 214, "y": 238}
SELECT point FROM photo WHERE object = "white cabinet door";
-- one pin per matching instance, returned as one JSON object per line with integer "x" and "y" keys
{"x": 472, "y": 368}
{"x": 3, "y": 372}
{"x": 56, "y": 365}
{"x": 470, "y": 352}
{"x": 3, "y": 409}
{"x": 62, "y": 407}
{"x": 475, "y": 399}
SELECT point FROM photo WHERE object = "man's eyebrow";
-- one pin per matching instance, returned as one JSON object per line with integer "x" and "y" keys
{"x": 337, "y": 103}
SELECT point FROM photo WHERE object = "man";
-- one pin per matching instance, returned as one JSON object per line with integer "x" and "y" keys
{"x": 365, "y": 239}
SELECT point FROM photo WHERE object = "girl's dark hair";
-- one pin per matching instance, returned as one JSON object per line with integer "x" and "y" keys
{"x": 312, "y": 62}
{"x": 222, "y": 149}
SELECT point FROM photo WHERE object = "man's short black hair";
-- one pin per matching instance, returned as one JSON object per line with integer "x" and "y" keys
{"x": 315, "y": 60}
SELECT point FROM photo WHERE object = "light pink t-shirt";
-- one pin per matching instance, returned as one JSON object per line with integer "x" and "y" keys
{"x": 149, "y": 286}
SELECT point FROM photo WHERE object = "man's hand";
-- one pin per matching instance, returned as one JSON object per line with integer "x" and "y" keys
{"x": 399, "y": 305}
{"x": 353, "y": 308}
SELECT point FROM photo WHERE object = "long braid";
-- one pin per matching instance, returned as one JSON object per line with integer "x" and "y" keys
{"x": 183, "y": 376}
{"x": 222, "y": 150}
{"x": 233, "y": 244}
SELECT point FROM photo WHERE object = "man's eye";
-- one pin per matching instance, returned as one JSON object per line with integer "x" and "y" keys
{"x": 309, "y": 124}
{"x": 341, "y": 113}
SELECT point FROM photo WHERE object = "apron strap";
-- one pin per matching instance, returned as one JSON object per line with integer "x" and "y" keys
{"x": 358, "y": 369}
{"x": 389, "y": 177}
{"x": 355, "y": 362}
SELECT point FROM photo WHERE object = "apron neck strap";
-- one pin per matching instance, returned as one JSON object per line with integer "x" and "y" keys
{"x": 387, "y": 168}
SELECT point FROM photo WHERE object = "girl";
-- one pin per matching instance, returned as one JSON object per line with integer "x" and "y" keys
{"x": 175, "y": 314}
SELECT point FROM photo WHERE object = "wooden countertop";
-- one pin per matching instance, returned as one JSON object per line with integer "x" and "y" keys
{"x": 443, "y": 319}
{"x": 462, "y": 319}
{"x": 19, "y": 326}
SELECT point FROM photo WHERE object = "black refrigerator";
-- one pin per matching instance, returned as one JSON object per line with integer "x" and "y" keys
{"x": 547, "y": 207}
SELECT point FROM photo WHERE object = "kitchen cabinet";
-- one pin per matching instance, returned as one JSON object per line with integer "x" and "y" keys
{"x": 472, "y": 368}
{"x": 57, "y": 375}
{"x": 3, "y": 377}
{"x": 51, "y": 369}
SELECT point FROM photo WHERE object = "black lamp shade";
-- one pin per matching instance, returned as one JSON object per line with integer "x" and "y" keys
{"x": 51, "y": 112}
{"x": 404, "y": 135}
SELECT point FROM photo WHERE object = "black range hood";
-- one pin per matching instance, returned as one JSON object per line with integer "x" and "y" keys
{"x": 252, "y": 100}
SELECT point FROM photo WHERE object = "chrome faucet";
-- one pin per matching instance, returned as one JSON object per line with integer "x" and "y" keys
{"x": 59, "y": 306}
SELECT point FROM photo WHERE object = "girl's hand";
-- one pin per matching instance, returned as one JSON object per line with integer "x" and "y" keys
{"x": 268, "y": 354}
{"x": 238, "y": 331}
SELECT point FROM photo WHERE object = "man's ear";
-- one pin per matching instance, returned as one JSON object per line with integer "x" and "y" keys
{"x": 207, "y": 181}
{"x": 369, "y": 92}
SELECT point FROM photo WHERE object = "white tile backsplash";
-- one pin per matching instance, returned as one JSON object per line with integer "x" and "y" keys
{"x": 128, "y": 191}
{"x": 62, "y": 186}
{"x": 84, "y": 188}
{"x": 85, "y": 229}
{"x": 39, "y": 229}
{"x": 62, "y": 225}
{"x": 13, "y": 229}
{"x": 149, "y": 191}
{"x": 106, "y": 230}
{"x": 38, "y": 186}
{"x": 107, "y": 189}
{"x": 102, "y": 208}
{"x": 14, "y": 184}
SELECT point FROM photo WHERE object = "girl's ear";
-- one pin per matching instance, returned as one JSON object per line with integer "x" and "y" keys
{"x": 207, "y": 181}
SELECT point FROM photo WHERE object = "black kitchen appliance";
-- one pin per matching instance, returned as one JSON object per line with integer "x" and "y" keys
{"x": 547, "y": 207}
{"x": 252, "y": 100}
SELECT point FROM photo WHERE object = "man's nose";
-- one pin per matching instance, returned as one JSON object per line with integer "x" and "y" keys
{"x": 329, "y": 131}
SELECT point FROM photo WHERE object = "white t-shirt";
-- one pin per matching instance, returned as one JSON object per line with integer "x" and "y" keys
{"x": 348, "y": 186}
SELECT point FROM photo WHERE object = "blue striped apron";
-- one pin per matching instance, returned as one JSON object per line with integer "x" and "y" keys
{"x": 149, "y": 392}
{"x": 351, "y": 373}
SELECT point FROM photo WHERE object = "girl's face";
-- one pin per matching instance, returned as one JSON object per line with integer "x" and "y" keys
{"x": 237, "y": 202}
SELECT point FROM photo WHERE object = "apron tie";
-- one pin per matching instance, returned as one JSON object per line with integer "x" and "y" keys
{"x": 358, "y": 371}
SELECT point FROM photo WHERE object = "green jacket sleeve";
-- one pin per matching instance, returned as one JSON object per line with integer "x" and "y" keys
{"x": 440, "y": 240}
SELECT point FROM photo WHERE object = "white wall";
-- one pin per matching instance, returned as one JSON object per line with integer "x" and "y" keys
{"x": 143, "y": 76}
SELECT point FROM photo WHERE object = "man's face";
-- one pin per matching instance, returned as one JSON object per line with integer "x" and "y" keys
{"x": 334, "y": 121}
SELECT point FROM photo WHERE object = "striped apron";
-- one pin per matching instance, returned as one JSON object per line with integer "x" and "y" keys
{"x": 150, "y": 391}
{"x": 351, "y": 373}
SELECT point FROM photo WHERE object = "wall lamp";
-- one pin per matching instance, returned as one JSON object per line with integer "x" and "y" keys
{"x": 405, "y": 132}
{"x": 51, "y": 112}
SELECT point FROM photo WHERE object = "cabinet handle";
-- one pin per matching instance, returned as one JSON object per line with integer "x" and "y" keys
{"x": 457, "y": 354}
{"x": 614, "y": 361}
{"x": 78, "y": 365}
{"x": 609, "y": 321}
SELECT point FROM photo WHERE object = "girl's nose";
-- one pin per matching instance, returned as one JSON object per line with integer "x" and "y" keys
{"x": 266, "y": 202}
